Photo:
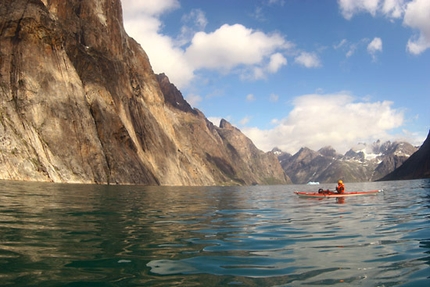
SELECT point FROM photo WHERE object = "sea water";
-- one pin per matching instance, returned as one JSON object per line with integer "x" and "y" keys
{"x": 92, "y": 235}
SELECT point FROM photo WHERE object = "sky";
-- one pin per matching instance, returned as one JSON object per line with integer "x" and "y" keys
{"x": 295, "y": 73}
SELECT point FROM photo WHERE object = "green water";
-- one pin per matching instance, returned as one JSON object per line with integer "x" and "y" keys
{"x": 84, "y": 235}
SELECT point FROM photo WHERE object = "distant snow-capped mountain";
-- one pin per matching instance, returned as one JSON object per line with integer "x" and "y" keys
{"x": 361, "y": 163}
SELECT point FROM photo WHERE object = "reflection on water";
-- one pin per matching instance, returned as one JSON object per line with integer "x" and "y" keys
{"x": 84, "y": 235}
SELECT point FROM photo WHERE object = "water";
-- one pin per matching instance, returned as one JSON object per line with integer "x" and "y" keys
{"x": 83, "y": 235}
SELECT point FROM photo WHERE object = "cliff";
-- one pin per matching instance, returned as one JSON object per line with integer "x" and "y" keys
{"x": 415, "y": 167}
{"x": 80, "y": 103}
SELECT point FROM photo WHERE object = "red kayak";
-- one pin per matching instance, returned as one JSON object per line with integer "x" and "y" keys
{"x": 326, "y": 193}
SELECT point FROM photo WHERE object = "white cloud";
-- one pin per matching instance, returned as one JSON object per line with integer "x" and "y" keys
{"x": 374, "y": 47}
{"x": 249, "y": 53}
{"x": 193, "y": 99}
{"x": 277, "y": 60}
{"x": 347, "y": 46}
{"x": 309, "y": 60}
{"x": 332, "y": 119}
{"x": 417, "y": 15}
{"x": 258, "y": 72}
{"x": 245, "y": 120}
{"x": 276, "y": 2}
{"x": 393, "y": 8}
{"x": 258, "y": 14}
{"x": 141, "y": 22}
{"x": 250, "y": 98}
{"x": 148, "y": 7}
{"x": 389, "y": 8}
{"x": 197, "y": 17}
{"x": 350, "y": 7}
{"x": 232, "y": 45}
{"x": 351, "y": 50}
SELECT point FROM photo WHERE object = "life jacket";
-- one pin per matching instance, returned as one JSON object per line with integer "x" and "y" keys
{"x": 340, "y": 188}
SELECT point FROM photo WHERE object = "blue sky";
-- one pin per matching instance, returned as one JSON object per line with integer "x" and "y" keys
{"x": 296, "y": 73}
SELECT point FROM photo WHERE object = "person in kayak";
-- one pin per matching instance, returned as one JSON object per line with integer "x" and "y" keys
{"x": 340, "y": 188}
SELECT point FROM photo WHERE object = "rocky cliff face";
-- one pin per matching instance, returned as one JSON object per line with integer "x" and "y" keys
{"x": 415, "y": 167}
{"x": 363, "y": 163}
{"x": 80, "y": 103}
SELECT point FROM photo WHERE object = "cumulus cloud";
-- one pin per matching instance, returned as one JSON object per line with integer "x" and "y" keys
{"x": 388, "y": 8}
{"x": 232, "y": 45}
{"x": 148, "y": 7}
{"x": 249, "y": 53}
{"x": 277, "y": 60}
{"x": 374, "y": 47}
{"x": 350, "y": 7}
{"x": 319, "y": 120}
{"x": 141, "y": 21}
{"x": 393, "y": 8}
{"x": 257, "y": 71}
{"x": 415, "y": 14}
{"x": 309, "y": 60}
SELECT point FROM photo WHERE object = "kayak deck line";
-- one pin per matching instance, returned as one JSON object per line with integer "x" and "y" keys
{"x": 335, "y": 194}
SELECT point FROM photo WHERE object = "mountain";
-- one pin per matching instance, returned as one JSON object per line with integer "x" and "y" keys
{"x": 81, "y": 103}
{"x": 361, "y": 163}
{"x": 415, "y": 167}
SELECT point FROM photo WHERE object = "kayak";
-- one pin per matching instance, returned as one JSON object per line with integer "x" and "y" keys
{"x": 335, "y": 194}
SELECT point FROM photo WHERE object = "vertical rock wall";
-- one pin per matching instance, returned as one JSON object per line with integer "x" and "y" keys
{"x": 80, "y": 103}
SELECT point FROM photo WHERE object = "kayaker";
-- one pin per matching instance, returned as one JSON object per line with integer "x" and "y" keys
{"x": 340, "y": 188}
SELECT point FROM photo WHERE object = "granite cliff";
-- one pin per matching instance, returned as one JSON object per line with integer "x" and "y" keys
{"x": 80, "y": 103}
{"x": 415, "y": 167}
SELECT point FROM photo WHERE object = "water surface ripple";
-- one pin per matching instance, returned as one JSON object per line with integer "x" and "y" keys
{"x": 84, "y": 235}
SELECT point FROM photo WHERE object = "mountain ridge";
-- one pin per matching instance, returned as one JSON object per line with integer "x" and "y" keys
{"x": 415, "y": 167}
{"x": 359, "y": 164}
